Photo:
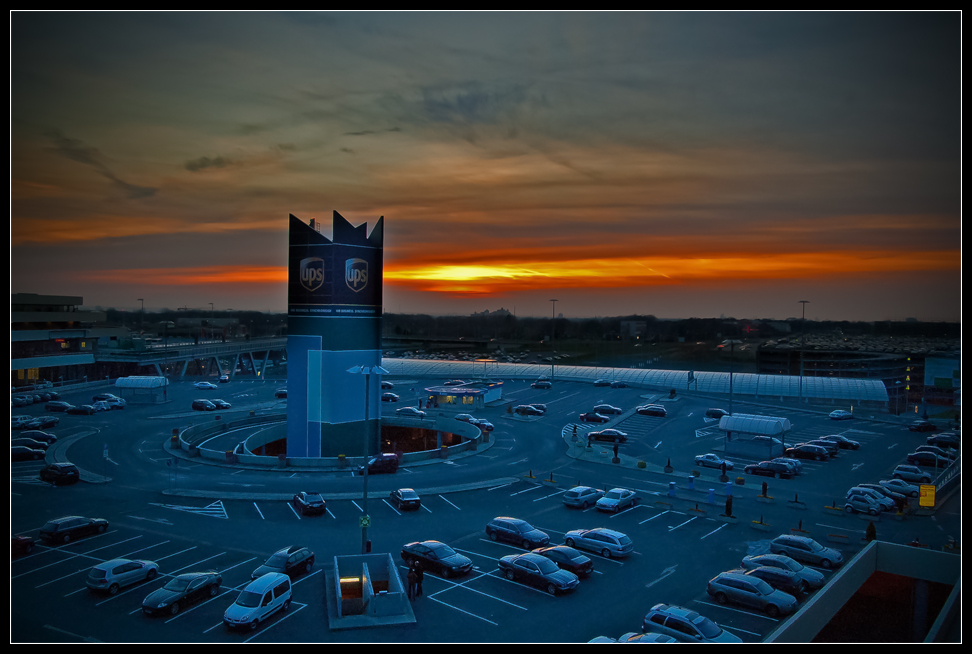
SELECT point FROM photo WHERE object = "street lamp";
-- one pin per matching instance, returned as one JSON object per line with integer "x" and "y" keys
{"x": 141, "y": 319}
{"x": 803, "y": 342}
{"x": 367, "y": 372}
{"x": 730, "y": 342}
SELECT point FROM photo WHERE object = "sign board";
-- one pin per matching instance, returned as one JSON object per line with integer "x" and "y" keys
{"x": 364, "y": 521}
{"x": 926, "y": 495}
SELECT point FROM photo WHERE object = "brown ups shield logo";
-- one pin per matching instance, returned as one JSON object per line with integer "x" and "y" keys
{"x": 356, "y": 274}
{"x": 312, "y": 273}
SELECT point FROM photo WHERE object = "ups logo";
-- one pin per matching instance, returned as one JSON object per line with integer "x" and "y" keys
{"x": 312, "y": 273}
{"x": 356, "y": 274}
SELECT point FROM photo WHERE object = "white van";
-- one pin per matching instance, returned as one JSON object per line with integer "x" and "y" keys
{"x": 258, "y": 601}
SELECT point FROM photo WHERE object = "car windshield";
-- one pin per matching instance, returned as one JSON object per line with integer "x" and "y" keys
{"x": 249, "y": 600}
{"x": 546, "y": 566}
{"x": 276, "y": 561}
{"x": 815, "y": 546}
{"x": 708, "y": 628}
{"x": 443, "y": 551}
{"x": 314, "y": 497}
{"x": 178, "y": 584}
{"x": 792, "y": 565}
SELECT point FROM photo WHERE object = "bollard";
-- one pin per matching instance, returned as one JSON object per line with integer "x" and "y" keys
{"x": 711, "y": 498}
{"x": 691, "y": 484}
{"x": 671, "y": 489}
{"x": 728, "y": 489}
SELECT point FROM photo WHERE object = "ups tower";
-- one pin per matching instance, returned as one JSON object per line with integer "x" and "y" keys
{"x": 333, "y": 323}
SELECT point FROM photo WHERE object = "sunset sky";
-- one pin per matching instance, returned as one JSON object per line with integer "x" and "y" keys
{"x": 674, "y": 164}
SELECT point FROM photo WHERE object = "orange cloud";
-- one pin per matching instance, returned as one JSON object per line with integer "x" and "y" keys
{"x": 192, "y": 276}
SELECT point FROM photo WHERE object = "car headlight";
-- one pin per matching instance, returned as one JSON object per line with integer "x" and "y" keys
{"x": 161, "y": 605}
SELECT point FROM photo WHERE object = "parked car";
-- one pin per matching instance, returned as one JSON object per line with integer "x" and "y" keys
{"x": 811, "y": 578}
{"x": 58, "y": 406}
{"x": 111, "y": 576}
{"x": 115, "y": 403}
{"x": 602, "y": 382}
{"x": 716, "y": 413}
{"x": 483, "y": 424}
{"x": 806, "y": 550}
{"x": 807, "y": 451}
{"x": 607, "y": 409}
{"x": 309, "y": 502}
{"x": 606, "y": 542}
{"x": 885, "y": 492}
{"x": 685, "y": 626}
{"x": 841, "y": 415}
{"x": 387, "y": 385}
{"x": 21, "y": 545}
{"x": 29, "y": 442}
{"x": 70, "y": 528}
{"x": 945, "y": 440}
{"x": 101, "y": 406}
{"x": 900, "y": 486}
{"x": 541, "y": 384}
{"x": 203, "y": 405}
{"x": 769, "y": 469}
{"x": 516, "y": 531}
{"x": 464, "y": 417}
{"x": 410, "y": 412}
{"x": 582, "y": 496}
{"x": 832, "y": 448}
{"x": 383, "y": 463}
{"x": 405, "y": 498}
{"x": 60, "y": 474}
{"x": 542, "y": 408}
{"x": 711, "y": 460}
{"x": 795, "y": 464}
{"x": 205, "y": 385}
{"x": 593, "y": 417}
{"x": 389, "y": 397}
{"x": 608, "y": 436}
{"x": 527, "y": 410}
{"x": 21, "y": 453}
{"x": 42, "y": 422}
{"x": 19, "y": 401}
{"x": 922, "y": 425}
{"x": 83, "y": 410}
{"x": 862, "y": 504}
{"x": 290, "y": 561}
{"x": 618, "y": 384}
{"x": 280, "y": 393}
{"x": 928, "y": 460}
{"x": 259, "y": 600}
{"x": 843, "y": 442}
{"x": 567, "y": 558}
{"x": 745, "y": 590}
{"x": 934, "y": 449}
{"x": 537, "y": 571}
{"x": 911, "y": 473}
{"x": 436, "y": 557}
{"x": 42, "y": 436}
{"x": 617, "y": 499}
{"x": 652, "y": 410}
{"x": 102, "y": 397}
{"x": 222, "y": 404}
{"x": 780, "y": 579}
{"x": 182, "y": 591}
{"x": 20, "y": 422}
{"x": 224, "y": 379}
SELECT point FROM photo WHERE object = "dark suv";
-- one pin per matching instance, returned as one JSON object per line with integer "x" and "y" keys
{"x": 516, "y": 531}
{"x": 64, "y": 530}
{"x": 60, "y": 473}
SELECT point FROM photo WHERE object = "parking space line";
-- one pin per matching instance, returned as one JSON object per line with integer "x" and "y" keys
{"x": 501, "y": 486}
{"x": 684, "y": 523}
{"x": 729, "y": 608}
{"x": 289, "y": 506}
{"x": 657, "y": 515}
{"x": 560, "y": 492}
{"x": 72, "y": 555}
{"x": 125, "y": 556}
{"x": 176, "y": 554}
{"x": 434, "y": 599}
{"x": 258, "y": 510}
{"x": 387, "y": 503}
{"x": 526, "y": 490}
{"x": 276, "y": 622}
{"x": 714, "y": 530}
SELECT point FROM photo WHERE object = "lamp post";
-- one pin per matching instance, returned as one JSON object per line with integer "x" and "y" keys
{"x": 365, "y": 519}
{"x": 731, "y": 343}
{"x": 803, "y": 342}
{"x": 553, "y": 317}
{"x": 141, "y": 319}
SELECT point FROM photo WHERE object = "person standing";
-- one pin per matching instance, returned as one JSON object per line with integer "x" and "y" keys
{"x": 419, "y": 574}
{"x": 412, "y": 582}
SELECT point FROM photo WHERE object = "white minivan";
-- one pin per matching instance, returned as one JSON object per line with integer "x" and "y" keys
{"x": 259, "y": 600}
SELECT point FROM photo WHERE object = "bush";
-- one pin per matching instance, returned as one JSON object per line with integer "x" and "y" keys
{"x": 741, "y": 481}
{"x": 642, "y": 465}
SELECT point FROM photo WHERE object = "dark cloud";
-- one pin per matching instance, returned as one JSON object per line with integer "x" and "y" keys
{"x": 76, "y": 150}
{"x": 202, "y": 163}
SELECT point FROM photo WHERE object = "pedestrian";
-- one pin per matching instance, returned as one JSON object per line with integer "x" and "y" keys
{"x": 419, "y": 574}
{"x": 412, "y": 582}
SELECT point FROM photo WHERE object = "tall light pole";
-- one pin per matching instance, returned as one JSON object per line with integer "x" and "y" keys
{"x": 553, "y": 326}
{"x": 365, "y": 518}
{"x": 803, "y": 342}
{"x": 141, "y": 320}
{"x": 731, "y": 342}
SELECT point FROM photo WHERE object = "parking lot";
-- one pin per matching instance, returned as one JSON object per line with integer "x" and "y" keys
{"x": 679, "y": 543}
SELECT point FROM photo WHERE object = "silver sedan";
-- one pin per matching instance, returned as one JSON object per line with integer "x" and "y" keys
{"x": 711, "y": 460}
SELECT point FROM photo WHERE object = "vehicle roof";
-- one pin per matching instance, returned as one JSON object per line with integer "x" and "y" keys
{"x": 106, "y": 565}
{"x": 261, "y": 584}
